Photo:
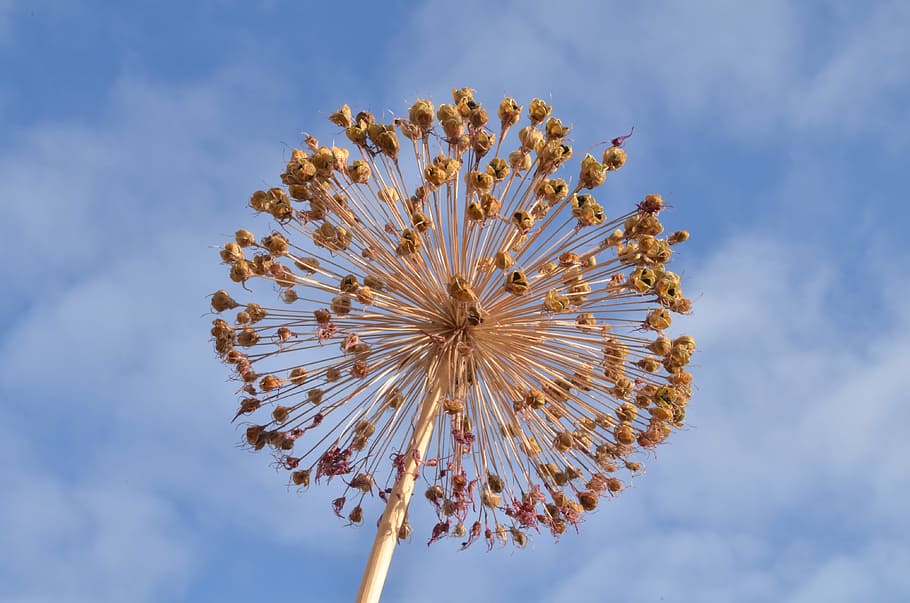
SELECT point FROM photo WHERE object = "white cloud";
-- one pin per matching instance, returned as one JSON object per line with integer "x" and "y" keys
{"x": 120, "y": 410}
{"x": 81, "y": 194}
{"x": 6, "y": 9}
{"x": 101, "y": 538}
{"x": 751, "y": 71}
{"x": 871, "y": 573}
{"x": 862, "y": 83}
{"x": 785, "y": 487}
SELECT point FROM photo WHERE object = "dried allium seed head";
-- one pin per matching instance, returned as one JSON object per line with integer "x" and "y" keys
{"x": 452, "y": 263}
{"x": 247, "y": 337}
{"x": 348, "y": 284}
{"x": 516, "y": 283}
{"x": 465, "y": 95}
{"x": 434, "y": 493}
{"x": 276, "y": 243}
{"x": 624, "y": 434}
{"x": 657, "y": 320}
{"x": 495, "y": 483}
{"x": 255, "y": 312}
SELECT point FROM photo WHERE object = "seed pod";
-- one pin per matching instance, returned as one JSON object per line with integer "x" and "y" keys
{"x": 614, "y": 158}
{"x": 298, "y": 375}
{"x": 460, "y": 290}
{"x": 509, "y": 112}
{"x": 538, "y": 111}
{"x": 588, "y": 500}
{"x": 342, "y": 117}
{"x": 516, "y": 283}
{"x": 221, "y": 301}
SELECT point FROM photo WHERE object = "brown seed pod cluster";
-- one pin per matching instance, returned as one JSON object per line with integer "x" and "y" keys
{"x": 431, "y": 242}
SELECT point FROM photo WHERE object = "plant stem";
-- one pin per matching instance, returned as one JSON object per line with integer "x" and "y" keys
{"x": 397, "y": 506}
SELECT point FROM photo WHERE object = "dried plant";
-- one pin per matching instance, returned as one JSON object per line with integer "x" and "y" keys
{"x": 461, "y": 315}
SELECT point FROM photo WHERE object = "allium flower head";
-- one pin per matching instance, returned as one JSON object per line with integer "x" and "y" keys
{"x": 433, "y": 276}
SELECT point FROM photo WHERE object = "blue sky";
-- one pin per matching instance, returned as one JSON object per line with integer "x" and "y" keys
{"x": 131, "y": 136}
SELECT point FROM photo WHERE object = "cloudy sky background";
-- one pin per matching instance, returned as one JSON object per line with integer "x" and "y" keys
{"x": 131, "y": 135}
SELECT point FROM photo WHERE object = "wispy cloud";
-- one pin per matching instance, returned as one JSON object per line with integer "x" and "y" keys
{"x": 112, "y": 398}
{"x": 746, "y": 71}
{"x": 787, "y": 474}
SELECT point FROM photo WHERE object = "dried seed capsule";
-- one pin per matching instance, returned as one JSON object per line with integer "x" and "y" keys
{"x": 588, "y": 500}
{"x": 614, "y": 158}
{"x": 421, "y": 115}
{"x": 341, "y": 305}
{"x": 298, "y": 375}
{"x": 509, "y": 112}
{"x": 460, "y": 290}
{"x": 221, "y": 301}
{"x": 516, "y": 283}
{"x": 342, "y": 117}
{"x": 301, "y": 478}
{"x": 538, "y": 111}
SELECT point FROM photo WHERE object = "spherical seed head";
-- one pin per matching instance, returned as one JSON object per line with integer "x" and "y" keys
{"x": 247, "y": 337}
{"x": 464, "y": 263}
